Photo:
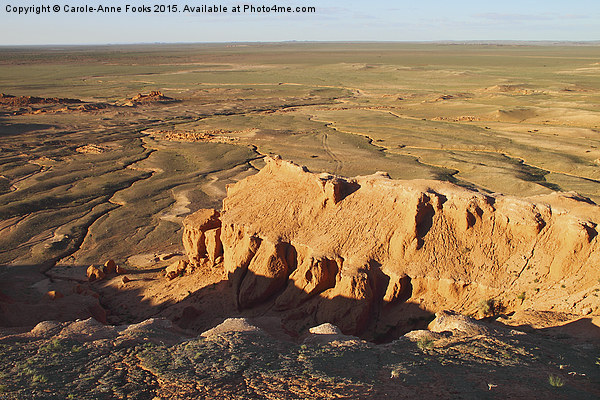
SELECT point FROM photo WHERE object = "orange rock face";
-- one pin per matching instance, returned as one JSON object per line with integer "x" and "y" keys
{"x": 54, "y": 295}
{"x": 110, "y": 267}
{"x": 374, "y": 252}
{"x": 201, "y": 235}
{"x": 95, "y": 273}
{"x": 176, "y": 269}
{"x": 266, "y": 273}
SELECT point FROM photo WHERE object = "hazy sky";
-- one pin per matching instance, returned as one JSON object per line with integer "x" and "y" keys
{"x": 420, "y": 20}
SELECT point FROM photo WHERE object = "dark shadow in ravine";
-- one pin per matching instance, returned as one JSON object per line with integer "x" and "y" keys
{"x": 28, "y": 297}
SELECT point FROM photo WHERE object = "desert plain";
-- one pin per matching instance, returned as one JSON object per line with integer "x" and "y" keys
{"x": 106, "y": 150}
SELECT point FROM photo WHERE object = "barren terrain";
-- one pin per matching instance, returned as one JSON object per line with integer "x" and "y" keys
{"x": 105, "y": 150}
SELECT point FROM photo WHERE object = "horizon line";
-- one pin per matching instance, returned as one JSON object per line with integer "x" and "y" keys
{"x": 469, "y": 41}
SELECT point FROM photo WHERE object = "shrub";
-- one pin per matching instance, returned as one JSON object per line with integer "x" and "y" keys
{"x": 425, "y": 344}
{"x": 53, "y": 346}
{"x": 39, "y": 379}
{"x": 487, "y": 307}
{"x": 556, "y": 381}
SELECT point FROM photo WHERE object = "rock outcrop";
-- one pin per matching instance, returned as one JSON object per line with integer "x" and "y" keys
{"x": 95, "y": 273}
{"x": 201, "y": 239}
{"x": 110, "y": 267}
{"x": 10, "y": 100}
{"x": 32, "y": 105}
{"x": 150, "y": 98}
{"x": 371, "y": 252}
{"x": 231, "y": 325}
{"x": 447, "y": 321}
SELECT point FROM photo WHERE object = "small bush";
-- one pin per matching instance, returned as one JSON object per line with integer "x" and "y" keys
{"x": 54, "y": 346}
{"x": 425, "y": 344}
{"x": 39, "y": 379}
{"x": 487, "y": 307}
{"x": 521, "y": 296}
{"x": 556, "y": 381}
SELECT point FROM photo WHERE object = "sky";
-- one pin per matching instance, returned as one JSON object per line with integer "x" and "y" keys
{"x": 348, "y": 20}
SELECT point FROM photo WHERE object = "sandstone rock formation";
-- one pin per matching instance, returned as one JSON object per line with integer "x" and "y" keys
{"x": 176, "y": 269}
{"x": 110, "y": 267}
{"x": 54, "y": 295}
{"x": 450, "y": 321}
{"x": 326, "y": 333}
{"x": 95, "y": 273}
{"x": 32, "y": 105}
{"x": 10, "y": 100}
{"x": 378, "y": 253}
{"x": 152, "y": 97}
{"x": 202, "y": 235}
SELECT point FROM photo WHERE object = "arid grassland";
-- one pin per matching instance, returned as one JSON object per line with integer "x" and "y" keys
{"x": 518, "y": 120}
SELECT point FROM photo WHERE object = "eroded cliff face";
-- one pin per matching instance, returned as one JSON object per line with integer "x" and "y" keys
{"x": 373, "y": 254}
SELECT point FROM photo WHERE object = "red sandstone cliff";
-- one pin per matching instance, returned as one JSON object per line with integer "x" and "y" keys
{"x": 374, "y": 252}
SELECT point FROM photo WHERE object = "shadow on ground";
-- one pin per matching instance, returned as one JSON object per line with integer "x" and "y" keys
{"x": 194, "y": 302}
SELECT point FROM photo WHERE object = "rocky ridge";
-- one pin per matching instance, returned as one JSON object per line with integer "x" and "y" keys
{"x": 31, "y": 105}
